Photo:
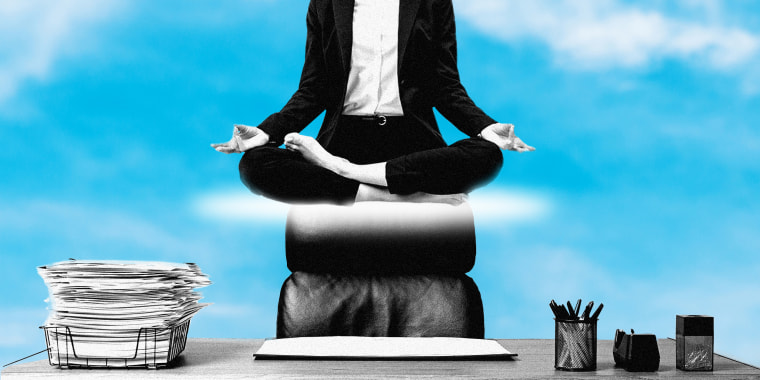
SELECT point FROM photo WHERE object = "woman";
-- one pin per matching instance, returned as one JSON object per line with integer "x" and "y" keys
{"x": 377, "y": 67}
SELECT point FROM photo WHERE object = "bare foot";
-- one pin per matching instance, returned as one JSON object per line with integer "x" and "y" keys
{"x": 420, "y": 197}
{"x": 315, "y": 153}
{"x": 368, "y": 193}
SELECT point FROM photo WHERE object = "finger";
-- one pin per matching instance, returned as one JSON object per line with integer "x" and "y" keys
{"x": 523, "y": 145}
{"x": 514, "y": 146}
{"x": 220, "y": 145}
{"x": 291, "y": 144}
{"x": 238, "y": 143}
{"x": 227, "y": 147}
{"x": 290, "y": 141}
{"x": 224, "y": 146}
{"x": 225, "y": 150}
{"x": 245, "y": 131}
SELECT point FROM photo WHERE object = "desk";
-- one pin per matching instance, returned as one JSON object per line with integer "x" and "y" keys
{"x": 233, "y": 358}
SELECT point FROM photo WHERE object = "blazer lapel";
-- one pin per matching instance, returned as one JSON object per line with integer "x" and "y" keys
{"x": 344, "y": 17}
{"x": 407, "y": 13}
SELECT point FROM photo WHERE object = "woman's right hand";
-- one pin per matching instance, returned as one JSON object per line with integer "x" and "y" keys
{"x": 243, "y": 138}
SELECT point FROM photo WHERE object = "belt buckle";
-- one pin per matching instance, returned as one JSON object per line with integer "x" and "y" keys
{"x": 382, "y": 120}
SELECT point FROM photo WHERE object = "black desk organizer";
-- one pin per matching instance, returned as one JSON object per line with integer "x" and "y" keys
{"x": 61, "y": 348}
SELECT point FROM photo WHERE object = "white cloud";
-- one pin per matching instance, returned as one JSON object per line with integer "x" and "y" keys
{"x": 35, "y": 33}
{"x": 502, "y": 205}
{"x": 608, "y": 33}
{"x": 488, "y": 206}
{"x": 240, "y": 206}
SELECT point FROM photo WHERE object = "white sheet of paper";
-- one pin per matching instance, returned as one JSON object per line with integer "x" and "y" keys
{"x": 381, "y": 348}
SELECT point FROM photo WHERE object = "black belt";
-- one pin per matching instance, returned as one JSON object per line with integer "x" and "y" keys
{"x": 374, "y": 120}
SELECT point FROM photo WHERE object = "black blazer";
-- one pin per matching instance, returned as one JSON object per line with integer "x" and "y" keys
{"x": 427, "y": 72}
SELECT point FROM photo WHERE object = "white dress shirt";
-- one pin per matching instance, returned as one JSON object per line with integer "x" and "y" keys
{"x": 373, "y": 79}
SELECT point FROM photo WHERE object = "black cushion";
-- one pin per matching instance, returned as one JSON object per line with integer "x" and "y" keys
{"x": 380, "y": 237}
{"x": 321, "y": 304}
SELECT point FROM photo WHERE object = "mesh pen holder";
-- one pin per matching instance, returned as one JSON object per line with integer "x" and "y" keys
{"x": 148, "y": 353}
{"x": 575, "y": 345}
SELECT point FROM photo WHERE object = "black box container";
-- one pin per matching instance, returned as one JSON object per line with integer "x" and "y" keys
{"x": 694, "y": 342}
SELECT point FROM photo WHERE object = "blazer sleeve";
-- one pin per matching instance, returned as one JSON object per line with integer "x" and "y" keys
{"x": 451, "y": 99}
{"x": 308, "y": 101}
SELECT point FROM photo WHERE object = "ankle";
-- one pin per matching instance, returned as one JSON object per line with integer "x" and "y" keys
{"x": 369, "y": 193}
{"x": 340, "y": 167}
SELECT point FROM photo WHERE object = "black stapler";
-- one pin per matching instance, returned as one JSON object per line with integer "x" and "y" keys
{"x": 636, "y": 352}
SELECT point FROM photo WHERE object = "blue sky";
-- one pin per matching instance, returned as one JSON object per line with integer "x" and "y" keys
{"x": 642, "y": 193}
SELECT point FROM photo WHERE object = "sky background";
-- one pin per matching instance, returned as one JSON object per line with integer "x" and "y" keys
{"x": 642, "y": 192}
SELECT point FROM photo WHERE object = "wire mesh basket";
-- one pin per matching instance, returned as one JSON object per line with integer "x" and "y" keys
{"x": 575, "y": 345}
{"x": 154, "y": 348}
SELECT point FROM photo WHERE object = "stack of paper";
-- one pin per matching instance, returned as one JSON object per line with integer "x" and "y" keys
{"x": 118, "y": 309}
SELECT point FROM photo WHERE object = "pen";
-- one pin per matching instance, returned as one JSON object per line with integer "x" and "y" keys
{"x": 572, "y": 311}
{"x": 598, "y": 310}
{"x": 578, "y": 308}
{"x": 555, "y": 308}
{"x": 552, "y": 305}
{"x": 564, "y": 312}
{"x": 587, "y": 311}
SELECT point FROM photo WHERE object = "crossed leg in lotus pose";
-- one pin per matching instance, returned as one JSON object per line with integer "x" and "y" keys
{"x": 371, "y": 178}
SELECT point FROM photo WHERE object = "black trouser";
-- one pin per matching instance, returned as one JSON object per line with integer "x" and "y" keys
{"x": 286, "y": 176}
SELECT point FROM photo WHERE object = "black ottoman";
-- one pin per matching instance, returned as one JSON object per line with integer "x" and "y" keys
{"x": 380, "y": 269}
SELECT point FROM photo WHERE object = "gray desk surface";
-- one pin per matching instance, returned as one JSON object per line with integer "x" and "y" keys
{"x": 233, "y": 359}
